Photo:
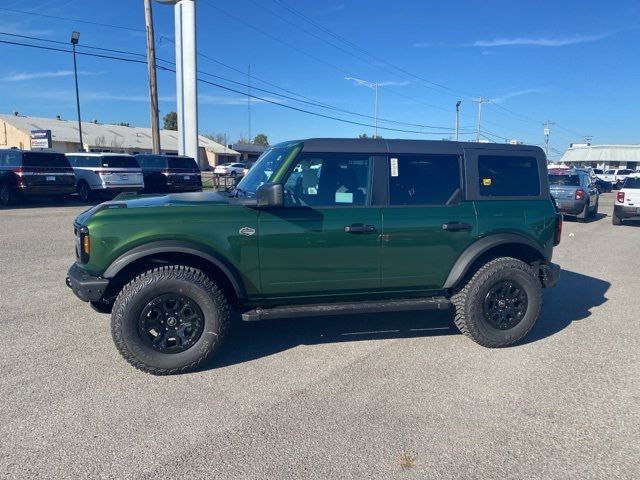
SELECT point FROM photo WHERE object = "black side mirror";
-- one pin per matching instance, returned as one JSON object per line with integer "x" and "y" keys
{"x": 270, "y": 195}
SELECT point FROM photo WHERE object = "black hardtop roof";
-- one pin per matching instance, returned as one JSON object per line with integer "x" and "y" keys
{"x": 162, "y": 155}
{"x": 21, "y": 150}
{"x": 385, "y": 146}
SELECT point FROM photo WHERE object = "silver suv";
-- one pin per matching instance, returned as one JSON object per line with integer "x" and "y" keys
{"x": 105, "y": 173}
{"x": 574, "y": 193}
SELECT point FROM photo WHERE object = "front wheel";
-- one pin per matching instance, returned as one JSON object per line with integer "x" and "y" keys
{"x": 500, "y": 303}
{"x": 169, "y": 320}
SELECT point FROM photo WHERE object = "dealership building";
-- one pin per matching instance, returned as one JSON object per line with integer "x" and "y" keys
{"x": 602, "y": 156}
{"x": 18, "y": 130}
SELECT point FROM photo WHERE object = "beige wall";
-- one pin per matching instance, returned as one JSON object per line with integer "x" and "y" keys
{"x": 12, "y": 137}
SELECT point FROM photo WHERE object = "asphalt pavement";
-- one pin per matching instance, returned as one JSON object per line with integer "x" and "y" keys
{"x": 371, "y": 396}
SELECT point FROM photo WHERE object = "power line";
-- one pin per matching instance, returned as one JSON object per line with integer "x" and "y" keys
{"x": 262, "y": 99}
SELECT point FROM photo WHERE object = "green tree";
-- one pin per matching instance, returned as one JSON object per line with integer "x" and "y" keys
{"x": 170, "y": 121}
{"x": 261, "y": 139}
{"x": 220, "y": 138}
{"x": 363, "y": 136}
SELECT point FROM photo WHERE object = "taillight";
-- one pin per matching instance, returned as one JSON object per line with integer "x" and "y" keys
{"x": 579, "y": 194}
{"x": 557, "y": 234}
{"x": 620, "y": 197}
{"x": 18, "y": 171}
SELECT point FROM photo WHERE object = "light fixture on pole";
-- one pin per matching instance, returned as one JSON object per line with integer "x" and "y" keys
{"x": 186, "y": 77}
{"x": 75, "y": 37}
{"x": 374, "y": 87}
{"x": 457, "y": 118}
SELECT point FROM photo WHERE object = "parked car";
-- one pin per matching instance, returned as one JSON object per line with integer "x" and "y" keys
{"x": 627, "y": 204}
{"x": 104, "y": 174}
{"x": 454, "y": 235}
{"x": 616, "y": 177}
{"x": 229, "y": 170}
{"x": 169, "y": 173}
{"x": 602, "y": 185}
{"x": 25, "y": 172}
{"x": 575, "y": 193}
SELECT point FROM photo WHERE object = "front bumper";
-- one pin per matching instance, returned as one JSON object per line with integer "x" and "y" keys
{"x": 86, "y": 287}
{"x": 549, "y": 274}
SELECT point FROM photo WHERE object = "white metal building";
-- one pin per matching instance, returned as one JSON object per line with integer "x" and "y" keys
{"x": 602, "y": 156}
{"x": 15, "y": 131}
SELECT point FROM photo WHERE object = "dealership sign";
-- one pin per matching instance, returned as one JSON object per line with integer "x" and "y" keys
{"x": 40, "y": 138}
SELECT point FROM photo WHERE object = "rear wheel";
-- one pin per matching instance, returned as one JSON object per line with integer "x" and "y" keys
{"x": 499, "y": 304}
{"x": 169, "y": 320}
{"x": 8, "y": 196}
{"x": 594, "y": 213}
{"x": 616, "y": 220}
{"x": 84, "y": 192}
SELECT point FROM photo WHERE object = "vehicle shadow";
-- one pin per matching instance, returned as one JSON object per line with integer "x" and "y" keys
{"x": 571, "y": 300}
{"x": 48, "y": 202}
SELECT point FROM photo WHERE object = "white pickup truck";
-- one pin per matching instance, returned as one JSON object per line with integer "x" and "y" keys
{"x": 616, "y": 177}
{"x": 627, "y": 204}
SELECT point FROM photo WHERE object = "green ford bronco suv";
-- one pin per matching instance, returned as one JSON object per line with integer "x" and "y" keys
{"x": 323, "y": 227}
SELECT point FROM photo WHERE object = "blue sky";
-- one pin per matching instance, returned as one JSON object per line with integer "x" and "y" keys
{"x": 572, "y": 62}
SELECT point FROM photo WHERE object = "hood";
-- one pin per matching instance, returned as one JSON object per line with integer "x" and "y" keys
{"x": 128, "y": 200}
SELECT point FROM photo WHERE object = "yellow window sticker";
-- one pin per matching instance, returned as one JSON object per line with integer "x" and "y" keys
{"x": 486, "y": 182}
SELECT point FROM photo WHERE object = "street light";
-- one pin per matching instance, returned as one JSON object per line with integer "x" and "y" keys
{"x": 75, "y": 37}
{"x": 457, "y": 118}
{"x": 374, "y": 87}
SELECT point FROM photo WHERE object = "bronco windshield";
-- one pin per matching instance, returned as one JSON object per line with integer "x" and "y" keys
{"x": 268, "y": 164}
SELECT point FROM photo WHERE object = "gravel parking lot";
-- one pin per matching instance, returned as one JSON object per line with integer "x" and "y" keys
{"x": 369, "y": 396}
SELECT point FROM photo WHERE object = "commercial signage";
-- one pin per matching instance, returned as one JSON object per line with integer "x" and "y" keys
{"x": 41, "y": 139}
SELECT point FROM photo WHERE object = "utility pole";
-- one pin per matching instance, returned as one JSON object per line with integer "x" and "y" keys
{"x": 547, "y": 132}
{"x": 457, "y": 118}
{"x": 75, "y": 38}
{"x": 480, "y": 101}
{"x": 249, "y": 100}
{"x": 151, "y": 70}
{"x": 373, "y": 86}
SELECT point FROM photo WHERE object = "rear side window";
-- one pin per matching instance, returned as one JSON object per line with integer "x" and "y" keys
{"x": 45, "y": 160}
{"x": 9, "y": 159}
{"x": 632, "y": 182}
{"x": 423, "y": 179}
{"x": 119, "y": 162}
{"x": 505, "y": 176}
{"x": 178, "y": 162}
{"x": 152, "y": 162}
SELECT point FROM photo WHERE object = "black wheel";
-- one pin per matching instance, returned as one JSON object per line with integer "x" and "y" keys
{"x": 233, "y": 174}
{"x": 84, "y": 192}
{"x": 500, "y": 303}
{"x": 616, "y": 220}
{"x": 169, "y": 320}
{"x": 8, "y": 195}
{"x": 594, "y": 213}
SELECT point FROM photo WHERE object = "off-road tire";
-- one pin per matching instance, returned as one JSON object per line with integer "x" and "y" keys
{"x": 169, "y": 279}
{"x": 616, "y": 219}
{"x": 469, "y": 302}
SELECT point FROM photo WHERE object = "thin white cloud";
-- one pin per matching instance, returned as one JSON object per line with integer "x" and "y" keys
{"x": 539, "y": 42}
{"x": 24, "y": 76}
{"x": 334, "y": 8}
{"x": 517, "y": 93}
{"x": 392, "y": 83}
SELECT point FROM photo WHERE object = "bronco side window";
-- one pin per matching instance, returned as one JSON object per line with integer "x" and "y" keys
{"x": 506, "y": 176}
{"x": 327, "y": 180}
{"x": 423, "y": 179}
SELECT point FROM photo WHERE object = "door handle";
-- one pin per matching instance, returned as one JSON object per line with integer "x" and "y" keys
{"x": 359, "y": 228}
{"x": 455, "y": 226}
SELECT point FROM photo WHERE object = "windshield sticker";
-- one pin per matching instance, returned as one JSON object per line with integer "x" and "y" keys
{"x": 486, "y": 182}
{"x": 344, "y": 197}
{"x": 394, "y": 167}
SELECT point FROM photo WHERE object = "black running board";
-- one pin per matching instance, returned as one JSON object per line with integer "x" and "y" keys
{"x": 320, "y": 310}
